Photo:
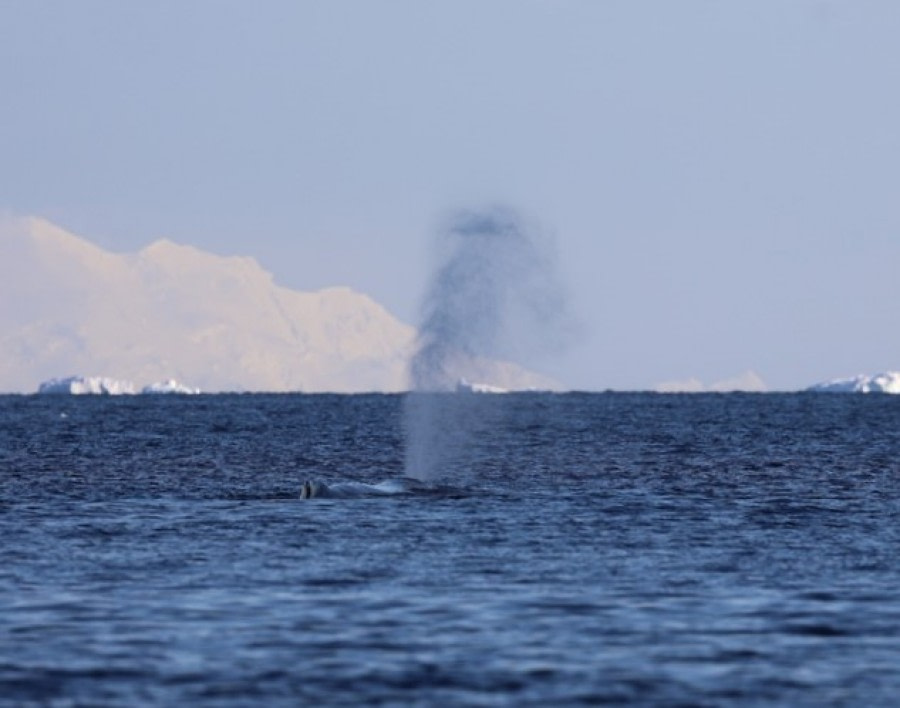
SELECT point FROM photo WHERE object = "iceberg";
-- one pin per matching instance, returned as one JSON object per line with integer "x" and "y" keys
{"x": 169, "y": 386}
{"x": 104, "y": 385}
{"x": 463, "y": 386}
{"x": 887, "y": 382}
{"x": 77, "y": 385}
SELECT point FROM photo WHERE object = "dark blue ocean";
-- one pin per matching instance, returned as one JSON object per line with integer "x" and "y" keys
{"x": 574, "y": 549}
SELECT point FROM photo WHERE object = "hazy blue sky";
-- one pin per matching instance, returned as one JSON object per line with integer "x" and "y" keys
{"x": 722, "y": 178}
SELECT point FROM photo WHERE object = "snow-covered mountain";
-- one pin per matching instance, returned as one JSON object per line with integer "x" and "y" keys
{"x": 67, "y": 307}
{"x": 888, "y": 382}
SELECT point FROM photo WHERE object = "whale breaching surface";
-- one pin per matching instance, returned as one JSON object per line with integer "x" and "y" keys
{"x": 494, "y": 296}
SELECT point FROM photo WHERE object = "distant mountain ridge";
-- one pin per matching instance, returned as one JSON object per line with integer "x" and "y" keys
{"x": 175, "y": 312}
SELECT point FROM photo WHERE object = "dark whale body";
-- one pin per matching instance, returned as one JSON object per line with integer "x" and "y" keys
{"x": 312, "y": 489}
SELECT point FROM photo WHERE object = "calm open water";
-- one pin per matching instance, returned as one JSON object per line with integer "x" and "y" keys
{"x": 577, "y": 549}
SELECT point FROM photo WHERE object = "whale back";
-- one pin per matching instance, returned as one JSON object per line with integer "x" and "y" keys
{"x": 311, "y": 489}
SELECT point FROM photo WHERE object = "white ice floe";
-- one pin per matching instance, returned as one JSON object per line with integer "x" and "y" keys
{"x": 463, "y": 386}
{"x": 77, "y": 385}
{"x": 169, "y": 386}
{"x": 887, "y": 382}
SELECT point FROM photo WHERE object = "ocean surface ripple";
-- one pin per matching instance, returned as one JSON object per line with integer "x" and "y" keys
{"x": 576, "y": 549}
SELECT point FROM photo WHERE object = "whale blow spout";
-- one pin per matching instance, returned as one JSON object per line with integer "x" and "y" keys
{"x": 495, "y": 296}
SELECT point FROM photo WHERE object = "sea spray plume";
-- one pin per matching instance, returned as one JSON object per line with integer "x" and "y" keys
{"x": 494, "y": 295}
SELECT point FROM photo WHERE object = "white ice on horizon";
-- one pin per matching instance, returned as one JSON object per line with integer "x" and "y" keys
{"x": 170, "y": 386}
{"x": 78, "y": 385}
{"x": 463, "y": 386}
{"x": 104, "y": 385}
{"x": 887, "y": 382}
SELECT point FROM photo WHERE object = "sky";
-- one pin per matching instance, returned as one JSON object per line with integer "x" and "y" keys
{"x": 721, "y": 179}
